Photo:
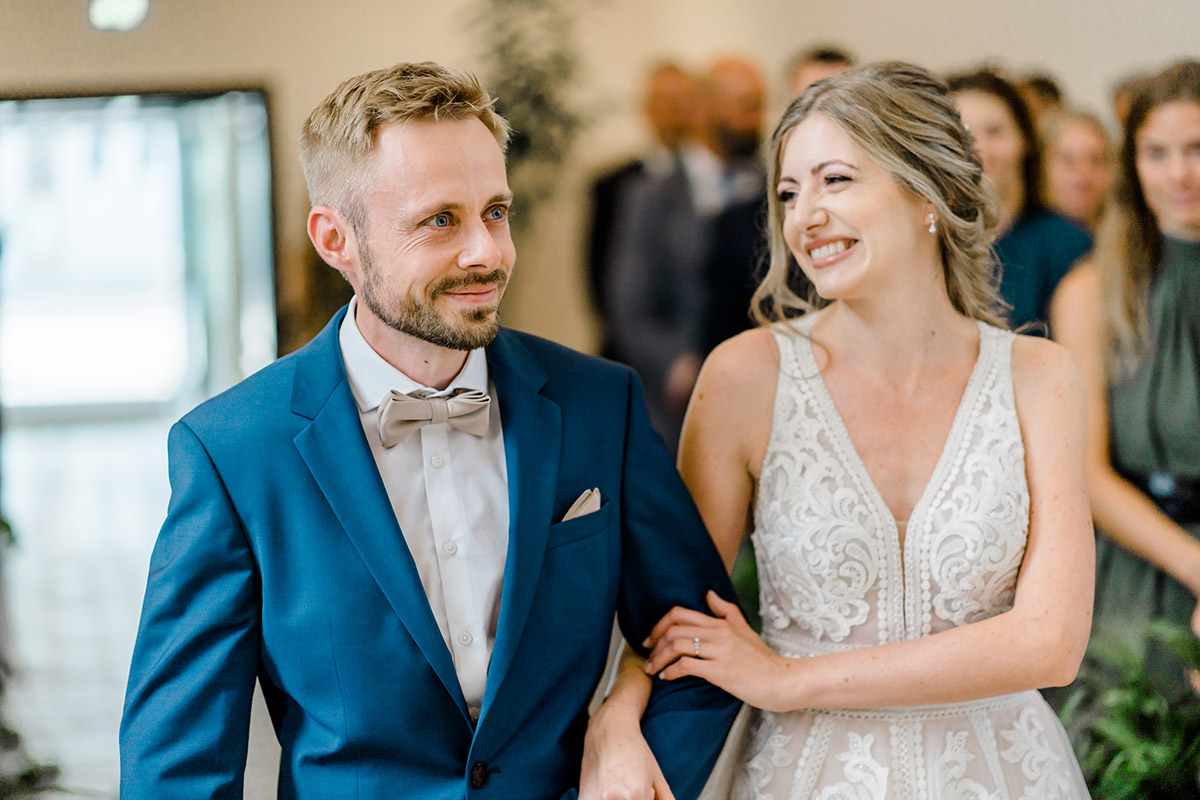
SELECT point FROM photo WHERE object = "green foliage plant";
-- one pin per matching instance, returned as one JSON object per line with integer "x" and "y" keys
{"x": 529, "y": 64}
{"x": 1138, "y": 737}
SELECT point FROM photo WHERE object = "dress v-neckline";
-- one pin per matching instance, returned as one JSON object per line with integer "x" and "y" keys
{"x": 853, "y": 460}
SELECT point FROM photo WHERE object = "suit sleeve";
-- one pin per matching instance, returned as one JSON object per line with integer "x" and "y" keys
{"x": 668, "y": 559}
{"x": 185, "y": 726}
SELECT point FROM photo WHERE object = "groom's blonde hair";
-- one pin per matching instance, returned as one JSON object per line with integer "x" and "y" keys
{"x": 340, "y": 134}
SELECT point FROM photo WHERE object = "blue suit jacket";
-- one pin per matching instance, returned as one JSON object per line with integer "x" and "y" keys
{"x": 281, "y": 559}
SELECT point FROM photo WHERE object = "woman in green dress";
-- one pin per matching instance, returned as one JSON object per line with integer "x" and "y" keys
{"x": 1131, "y": 316}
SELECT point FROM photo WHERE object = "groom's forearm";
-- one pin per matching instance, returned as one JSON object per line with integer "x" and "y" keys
{"x": 685, "y": 725}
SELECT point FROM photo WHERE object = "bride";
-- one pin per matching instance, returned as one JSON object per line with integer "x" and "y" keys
{"x": 916, "y": 478}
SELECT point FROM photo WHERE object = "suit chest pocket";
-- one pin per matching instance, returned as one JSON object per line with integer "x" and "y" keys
{"x": 574, "y": 530}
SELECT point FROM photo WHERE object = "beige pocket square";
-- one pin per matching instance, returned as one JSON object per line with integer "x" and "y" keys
{"x": 586, "y": 503}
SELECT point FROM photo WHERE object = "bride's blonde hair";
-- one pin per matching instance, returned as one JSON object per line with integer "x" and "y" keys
{"x": 905, "y": 121}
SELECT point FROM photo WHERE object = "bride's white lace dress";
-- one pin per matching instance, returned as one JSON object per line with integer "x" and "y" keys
{"x": 833, "y": 578}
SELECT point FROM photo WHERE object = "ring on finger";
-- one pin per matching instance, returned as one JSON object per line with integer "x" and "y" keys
{"x": 696, "y": 646}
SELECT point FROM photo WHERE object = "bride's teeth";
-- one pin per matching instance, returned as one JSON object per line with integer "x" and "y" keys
{"x": 828, "y": 250}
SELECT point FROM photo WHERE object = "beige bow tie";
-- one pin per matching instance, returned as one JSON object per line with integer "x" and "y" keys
{"x": 401, "y": 414}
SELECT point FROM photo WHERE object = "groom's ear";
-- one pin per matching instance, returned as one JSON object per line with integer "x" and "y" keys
{"x": 335, "y": 241}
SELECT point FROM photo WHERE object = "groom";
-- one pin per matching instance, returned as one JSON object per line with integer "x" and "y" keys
{"x": 415, "y": 531}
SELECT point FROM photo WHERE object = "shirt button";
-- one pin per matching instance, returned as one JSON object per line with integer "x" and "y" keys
{"x": 450, "y": 547}
{"x": 474, "y": 715}
{"x": 438, "y": 461}
{"x": 465, "y": 638}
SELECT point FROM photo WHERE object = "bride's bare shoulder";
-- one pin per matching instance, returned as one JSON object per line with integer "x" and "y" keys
{"x": 729, "y": 418}
{"x": 747, "y": 361}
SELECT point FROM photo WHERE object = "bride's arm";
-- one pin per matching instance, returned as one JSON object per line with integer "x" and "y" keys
{"x": 1039, "y": 642}
{"x": 725, "y": 434}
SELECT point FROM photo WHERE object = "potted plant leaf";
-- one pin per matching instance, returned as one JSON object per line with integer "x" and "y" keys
{"x": 1137, "y": 736}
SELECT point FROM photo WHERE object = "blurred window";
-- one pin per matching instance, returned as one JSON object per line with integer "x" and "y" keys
{"x": 135, "y": 250}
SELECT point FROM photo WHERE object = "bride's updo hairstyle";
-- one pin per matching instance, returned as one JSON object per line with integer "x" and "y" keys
{"x": 905, "y": 121}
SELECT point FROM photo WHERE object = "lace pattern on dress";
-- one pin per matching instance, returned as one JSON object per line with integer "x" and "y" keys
{"x": 829, "y": 553}
{"x": 833, "y": 578}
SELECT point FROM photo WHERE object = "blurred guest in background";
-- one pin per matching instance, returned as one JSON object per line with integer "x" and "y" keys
{"x": 740, "y": 239}
{"x": 670, "y": 109}
{"x": 665, "y": 236}
{"x": 1078, "y": 166}
{"x": 732, "y": 269}
{"x": 1131, "y": 316}
{"x": 1035, "y": 246}
{"x": 815, "y": 63}
{"x": 1122, "y": 95}
{"x": 1041, "y": 94}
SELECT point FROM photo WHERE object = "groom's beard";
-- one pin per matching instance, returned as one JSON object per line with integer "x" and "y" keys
{"x": 417, "y": 315}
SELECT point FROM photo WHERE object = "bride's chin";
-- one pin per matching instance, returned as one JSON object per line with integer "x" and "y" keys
{"x": 830, "y": 291}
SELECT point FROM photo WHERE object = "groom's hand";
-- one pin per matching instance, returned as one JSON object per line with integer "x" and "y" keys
{"x": 617, "y": 762}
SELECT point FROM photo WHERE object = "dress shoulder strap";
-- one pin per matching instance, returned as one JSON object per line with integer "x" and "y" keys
{"x": 795, "y": 346}
{"x": 995, "y": 351}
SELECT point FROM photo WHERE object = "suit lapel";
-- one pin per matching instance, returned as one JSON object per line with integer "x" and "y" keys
{"x": 532, "y": 444}
{"x": 336, "y": 452}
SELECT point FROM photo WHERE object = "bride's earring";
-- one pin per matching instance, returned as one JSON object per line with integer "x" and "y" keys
{"x": 932, "y": 223}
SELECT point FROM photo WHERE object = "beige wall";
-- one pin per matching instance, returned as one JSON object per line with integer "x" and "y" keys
{"x": 300, "y": 49}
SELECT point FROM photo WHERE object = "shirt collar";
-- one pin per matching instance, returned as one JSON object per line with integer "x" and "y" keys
{"x": 659, "y": 161}
{"x": 702, "y": 169}
{"x": 371, "y": 377}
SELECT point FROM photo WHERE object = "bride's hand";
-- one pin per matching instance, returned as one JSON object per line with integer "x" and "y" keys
{"x": 617, "y": 762}
{"x": 731, "y": 655}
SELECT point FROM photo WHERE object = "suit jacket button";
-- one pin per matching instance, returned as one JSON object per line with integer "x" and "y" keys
{"x": 479, "y": 775}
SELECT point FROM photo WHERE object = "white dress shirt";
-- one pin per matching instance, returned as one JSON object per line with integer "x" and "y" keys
{"x": 715, "y": 185}
{"x": 449, "y": 490}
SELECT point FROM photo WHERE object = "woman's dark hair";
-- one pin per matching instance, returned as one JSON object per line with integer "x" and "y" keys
{"x": 988, "y": 81}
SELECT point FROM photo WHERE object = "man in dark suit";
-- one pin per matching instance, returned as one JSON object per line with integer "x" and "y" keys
{"x": 670, "y": 109}
{"x": 735, "y": 266}
{"x": 658, "y": 290}
{"x": 415, "y": 531}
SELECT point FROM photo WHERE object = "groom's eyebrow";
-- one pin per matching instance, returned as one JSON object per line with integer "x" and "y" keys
{"x": 423, "y": 213}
